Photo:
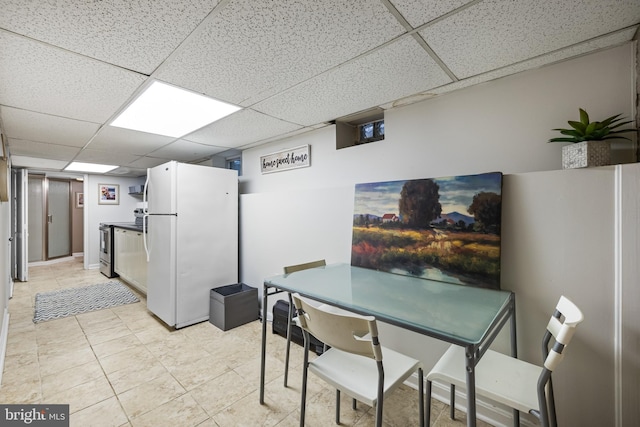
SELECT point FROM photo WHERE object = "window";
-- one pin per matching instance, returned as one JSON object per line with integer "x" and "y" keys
{"x": 235, "y": 164}
{"x": 360, "y": 128}
{"x": 370, "y": 132}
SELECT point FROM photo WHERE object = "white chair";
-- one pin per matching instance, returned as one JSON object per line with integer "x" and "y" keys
{"x": 510, "y": 381}
{"x": 288, "y": 270}
{"x": 356, "y": 363}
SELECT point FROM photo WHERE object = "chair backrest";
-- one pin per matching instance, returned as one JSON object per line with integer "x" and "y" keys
{"x": 562, "y": 331}
{"x": 347, "y": 332}
{"x": 313, "y": 264}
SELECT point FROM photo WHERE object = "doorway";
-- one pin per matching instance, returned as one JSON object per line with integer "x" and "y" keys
{"x": 49, "y": 218}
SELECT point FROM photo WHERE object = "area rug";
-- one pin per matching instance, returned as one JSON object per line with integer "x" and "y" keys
{"x": 69, "y": 302}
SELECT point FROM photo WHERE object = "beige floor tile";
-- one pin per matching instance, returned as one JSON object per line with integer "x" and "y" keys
{"x": 27, "y": 391}
{"x": 173, "y": 359}
{"x": 123, "y": 367}
{"x": 444, "y": 420}
{"x": 221, "y": 392}
{"x": 150, "y": 395}
{"x": 234, "y": 350}
{"x": 52, "y": 364}
{"x": 151, "y": 330}
{"x": 17, "y": 360}
{"x": 320, "y": 410}
{"x": 248, "y": 412}
{"x": 191, "y": 374}
{"x": 69, "y": 378}
{"x": 208, "y": 423}
{"x": 83, "y": 395}
{"x": 250, "y": 370}
{"x": 29, "y": 373}
{"x": 62, "y": 345}
{"x": 135, "y": 374}
{"x": 107, "y": 413}
{"x": 97, "y": 320}
{"x": 117, "y": 330}
{"x": 117, "y": 345}
{"x": 182, "y": 411}
{"x": 204, "y": 333}
{"x": 129, "y": 313}
{"x": 126, "y": 358}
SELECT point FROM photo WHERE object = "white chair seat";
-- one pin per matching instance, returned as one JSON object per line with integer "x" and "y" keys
{"x": 514, "y": 382}
{"x": 356, "y": 364}
{"x": 357, "y": 376}
{"x": 499, "y": 377}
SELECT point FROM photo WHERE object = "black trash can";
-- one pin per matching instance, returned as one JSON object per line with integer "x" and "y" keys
{"x": 233, "y": 305}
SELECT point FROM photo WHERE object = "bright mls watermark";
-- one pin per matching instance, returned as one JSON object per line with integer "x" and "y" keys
{"x": 34, "y": 415}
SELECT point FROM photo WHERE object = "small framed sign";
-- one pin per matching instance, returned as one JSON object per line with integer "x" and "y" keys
{"x": 291, "y": 158}
{"x": 79, "y": 200}
{"x": 108, "y": 194}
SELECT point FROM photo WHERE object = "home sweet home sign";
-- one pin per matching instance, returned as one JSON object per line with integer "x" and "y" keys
{"x": 291, "y": 158}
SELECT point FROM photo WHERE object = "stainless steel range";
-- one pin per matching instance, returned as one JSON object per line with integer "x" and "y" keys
{"x": 107, "y": 266}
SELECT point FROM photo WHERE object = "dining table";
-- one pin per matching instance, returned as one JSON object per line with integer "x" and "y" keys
{"x": 464, "y": 315}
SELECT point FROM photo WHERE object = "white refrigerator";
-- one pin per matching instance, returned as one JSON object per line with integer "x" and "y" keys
{"x": 191, "y": 239}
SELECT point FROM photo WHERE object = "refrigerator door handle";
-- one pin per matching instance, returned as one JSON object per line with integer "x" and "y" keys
{"x": 146, "y": 215}
{"x": 144, "y": 234}
{"x": 144, "y": 192}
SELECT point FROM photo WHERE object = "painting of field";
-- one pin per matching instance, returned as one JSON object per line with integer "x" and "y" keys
{"x": 445, "y": 229}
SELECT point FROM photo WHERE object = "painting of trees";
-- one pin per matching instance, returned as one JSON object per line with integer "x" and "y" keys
{"x": 486, "y": 209}
{"x": 445, "y": 229}
{"x": 419, "y": 202}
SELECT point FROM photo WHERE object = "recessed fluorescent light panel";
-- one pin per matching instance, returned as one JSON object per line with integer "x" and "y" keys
{"x": 171, "y": 111}
{"x": 89, "y": 167}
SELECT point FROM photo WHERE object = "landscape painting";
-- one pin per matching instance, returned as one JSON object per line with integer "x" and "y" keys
{"x": 445, "y": 229}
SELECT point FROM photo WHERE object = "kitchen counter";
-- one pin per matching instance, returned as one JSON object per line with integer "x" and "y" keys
{"x": 126, "y": 225}
{"x": 130, "y": 258}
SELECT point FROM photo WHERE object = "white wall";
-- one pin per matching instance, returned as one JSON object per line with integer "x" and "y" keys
{"x": 96, "y": 213}
{"x": 554, "y": 241}
{"x": 501, "y": 125}
{"x": 5, "y": 273}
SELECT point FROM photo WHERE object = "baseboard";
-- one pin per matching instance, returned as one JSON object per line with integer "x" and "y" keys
{"x": 4, "y": 335}
{"x": 488, "y": 411}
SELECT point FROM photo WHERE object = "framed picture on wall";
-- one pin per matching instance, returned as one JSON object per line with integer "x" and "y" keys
{"x": 108, "y": 194}
{"x": 79, "y": 200}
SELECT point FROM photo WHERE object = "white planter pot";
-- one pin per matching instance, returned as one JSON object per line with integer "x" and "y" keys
{"x": 586, "y": 154}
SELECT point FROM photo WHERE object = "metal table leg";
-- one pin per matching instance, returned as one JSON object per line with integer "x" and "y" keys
{"x": 264, "y": 342}
{"x": 470, "y": 361}
{"x": 514, "y": 351}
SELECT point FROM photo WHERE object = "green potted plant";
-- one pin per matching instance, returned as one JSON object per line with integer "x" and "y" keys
{"x": 590, "y": 140}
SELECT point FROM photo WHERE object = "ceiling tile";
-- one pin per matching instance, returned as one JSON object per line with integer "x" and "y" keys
{"x": 418, "y": 12}
{"x": 128, "y": 141}
{"x": 186, "y": 151}
{"x": 128, "y": 171}
{"x": 20, "y": 147}
{"x": 37, "y": 163}
{"x": 520, "y": 30}
{"x": 255, "y": 127}
{"x": 72, "y": 86}
{"x": 147, "y": 162}
{"x": 137, "y": 35}
{"x": 395, "y": 71}
{"x": 23, "y": 124}
{"x": 571, "y": 52}
{"x": 111, "y": 157}
{"x": 251, "y": 49}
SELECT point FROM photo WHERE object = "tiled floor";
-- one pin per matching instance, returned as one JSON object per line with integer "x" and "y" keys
{"x": 122, "y": 367}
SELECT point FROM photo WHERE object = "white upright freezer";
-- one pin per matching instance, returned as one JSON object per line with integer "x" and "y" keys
{"x": 191, "y": 239}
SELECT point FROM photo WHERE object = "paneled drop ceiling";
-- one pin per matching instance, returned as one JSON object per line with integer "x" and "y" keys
{"x": 67, "y": 68}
